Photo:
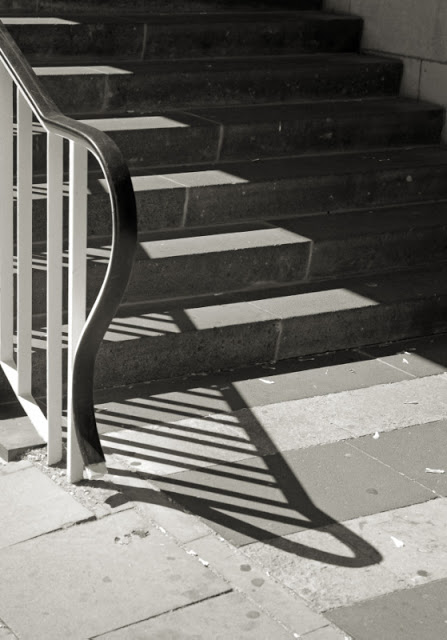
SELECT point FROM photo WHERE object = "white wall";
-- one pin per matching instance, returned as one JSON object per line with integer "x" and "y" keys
{"x": 413, "y": 30}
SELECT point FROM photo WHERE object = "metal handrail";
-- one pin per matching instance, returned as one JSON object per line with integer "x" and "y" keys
{"x": 124, "y": 230}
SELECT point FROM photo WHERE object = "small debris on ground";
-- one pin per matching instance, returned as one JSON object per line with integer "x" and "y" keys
{"x": 376, "y": 436}
{"x": 141, "y": 533}
{"x": 412, "y": 402}
{"x": 428, "y": 470}
{"x": 190, "y": 552}
{"x": 204, "y": 562}
{"x": 266, "y": 381}
{"x": 399, "y": 544}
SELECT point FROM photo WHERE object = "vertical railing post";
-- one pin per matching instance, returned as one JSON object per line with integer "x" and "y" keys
{"x": 55, "y": 166}
{"x": 6, "y": 217}
{"x": 77, "y": 276}
{"x": 24, "y": 244}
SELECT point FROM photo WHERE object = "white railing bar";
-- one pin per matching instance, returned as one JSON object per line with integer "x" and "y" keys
{"x": 24, "y": 243}
{"x": 77, "y": 285}
{"x": 6, "y": 217}
{"x": 54, "y": 295}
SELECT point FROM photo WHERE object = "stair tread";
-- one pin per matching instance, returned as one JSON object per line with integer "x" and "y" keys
{"x": 288, "y": 167}
{"x": 258, "y": 113}
{"x": 205, "y": 241}
{"x": 370, "y": 222}
{"x": 150, "y": 18}
{"x": 269, "y": 169}
{"x": 86, "y": 7}
{"x": 71, "y": 66}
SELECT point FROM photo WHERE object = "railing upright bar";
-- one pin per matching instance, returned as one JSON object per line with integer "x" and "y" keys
{"x": 24, "y": 244}
{"x": 6, "y": 217}
{"x": 77, "y": 280}
{"x": 54, "y": 295}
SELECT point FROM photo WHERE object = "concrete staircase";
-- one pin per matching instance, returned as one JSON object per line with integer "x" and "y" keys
{"x": 290, "y": 203}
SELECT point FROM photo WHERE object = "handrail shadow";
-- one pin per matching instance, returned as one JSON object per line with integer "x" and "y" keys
{"x": 295, "y": 512}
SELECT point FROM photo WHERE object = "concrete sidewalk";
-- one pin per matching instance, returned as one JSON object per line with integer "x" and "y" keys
{"x": 307, "y": 499}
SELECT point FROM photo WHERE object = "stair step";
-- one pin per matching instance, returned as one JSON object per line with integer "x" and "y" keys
{"x": 146, "y": 343}
{"x": 247, "y": 132}
{"x": 220, "y": 260}
{"x": 133, "y": 87}
{"x": 373, "y": 241}
{"x": 42, "y": 7}
{"x": 278, "y": 188}
{"x": 310, "y": 320}
{"x": 190, "y": 264}
{"x": 185, "y": 35}
{"x": 256, "y": 131}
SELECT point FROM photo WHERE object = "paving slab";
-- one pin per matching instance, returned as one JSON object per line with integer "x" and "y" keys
{"x": 262, "y": 498}
{"x": 5, "y": 633}
{"x": 16, "y": 436}
{"x": 13, "y": 467}
{"x": 224, "y": 618}
{"x": 94, "y": 578}
{"x": 245, "y": 575}
{"x": 315, "y": 376}
{"x": 419, "y": 452}
{"x": 385, "y": 407}
{"x": 418, "y": 357}
{"x": 410, "y": 542}
{"x": 327, "y": 633}
{"x": 32, "y": 505}
{"x": 411, "y": 614}
{"x": 318, "y": 566}
{"x": 183, "y": 526}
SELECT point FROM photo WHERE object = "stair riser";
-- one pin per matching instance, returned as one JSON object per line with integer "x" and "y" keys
{"x": 139, "y": 41}
{"x": 313, "y": 194}
{"x": 321, "y": 135}
{"x": 387, "y": 251}
{"x": 116, "y": 6}
{"x": 165, "y": 208}
{"x": 215, "y": 142}
{"x": 122, "y": 93}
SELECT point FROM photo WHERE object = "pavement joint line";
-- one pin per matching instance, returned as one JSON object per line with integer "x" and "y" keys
{"x": 393, "y": 366}
{"x": 64, "y": 527}
{"x": 164, "y": 613}
{"x": 189, "y": 546}
{"x": 352, "y": 445}
{"x": 285, "y": 590}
